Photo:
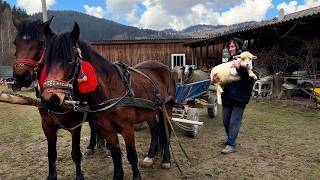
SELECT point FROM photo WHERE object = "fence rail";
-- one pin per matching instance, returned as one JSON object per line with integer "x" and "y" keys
{"x": 5, "y": 71}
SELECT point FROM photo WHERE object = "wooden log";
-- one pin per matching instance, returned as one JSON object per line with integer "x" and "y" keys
{"x": 187, "y": 121}
{"x": 12, "y": 98}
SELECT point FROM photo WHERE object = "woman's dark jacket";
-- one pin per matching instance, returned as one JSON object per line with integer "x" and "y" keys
{"x": 238, "y": 93}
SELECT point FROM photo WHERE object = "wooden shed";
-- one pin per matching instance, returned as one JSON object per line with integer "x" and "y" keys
{"x": 171, "y": 52}
{"x": 285, "y": 39}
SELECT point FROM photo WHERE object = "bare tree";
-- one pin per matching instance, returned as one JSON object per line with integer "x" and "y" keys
{"x": 311, "y": 48}
{"x": 7, "y": 32}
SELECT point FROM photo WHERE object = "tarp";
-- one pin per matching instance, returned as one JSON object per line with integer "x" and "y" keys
{"x": 186, "y": 92}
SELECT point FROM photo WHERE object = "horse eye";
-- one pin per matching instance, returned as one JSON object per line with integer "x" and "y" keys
{"x": 41, "y": 43}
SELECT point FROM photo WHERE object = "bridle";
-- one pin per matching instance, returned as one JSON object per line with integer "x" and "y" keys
{"x": 66, "y": 87}
{"x": 30, "y": 64}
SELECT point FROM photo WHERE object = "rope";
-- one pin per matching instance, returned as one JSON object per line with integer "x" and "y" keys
{"x": 55, "y": 119}
{"x": 167, "y": 123}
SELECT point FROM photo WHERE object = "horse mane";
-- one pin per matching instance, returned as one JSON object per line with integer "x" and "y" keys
{"x": 30, "y": 28}
{"x": 60, "y": 47}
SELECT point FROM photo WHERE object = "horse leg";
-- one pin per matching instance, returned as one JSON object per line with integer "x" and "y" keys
{"x": 101, "y": 144}
{"x": 51, "y": 135}
{"x": 166, "y": 164}
{"x": 113, "y": 145}
{"x": 76, "y": 153}
{"x": 93, "y": 138}
{"x": 149, "y": 160}
{"x": 128, "y": 136}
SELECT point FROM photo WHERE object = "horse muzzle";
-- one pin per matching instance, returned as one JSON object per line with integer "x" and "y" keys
{"x": 52, "y": 100}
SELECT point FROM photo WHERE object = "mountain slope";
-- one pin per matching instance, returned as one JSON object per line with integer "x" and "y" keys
{"x": 93, "y": 28}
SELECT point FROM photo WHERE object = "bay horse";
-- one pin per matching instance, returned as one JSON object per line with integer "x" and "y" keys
{"x": 150, "y": 82}
{"x": 27, "y": 67}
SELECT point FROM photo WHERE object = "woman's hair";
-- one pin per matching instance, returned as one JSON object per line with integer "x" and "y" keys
{"x": 237, "y": 42}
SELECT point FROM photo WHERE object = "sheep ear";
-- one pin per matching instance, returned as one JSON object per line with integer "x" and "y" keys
{"x": 254, "y": 57}
{"x": 236, "y": 57}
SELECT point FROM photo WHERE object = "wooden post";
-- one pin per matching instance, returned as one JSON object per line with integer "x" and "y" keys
{"x": 44, "y": 10}
{"x": 207, "y": 57}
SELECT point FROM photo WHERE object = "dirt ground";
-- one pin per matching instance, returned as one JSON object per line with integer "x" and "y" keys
{"x": 276, "y": 141}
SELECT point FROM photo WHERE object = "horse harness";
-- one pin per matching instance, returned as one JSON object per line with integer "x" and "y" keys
{"x": 127, "y": 100}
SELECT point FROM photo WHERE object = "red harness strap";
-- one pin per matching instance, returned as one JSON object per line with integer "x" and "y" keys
{"x": 87, "y": 80}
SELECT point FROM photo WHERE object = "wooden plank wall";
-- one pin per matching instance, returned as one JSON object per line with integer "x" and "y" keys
{"x": 206, "y": 59}
{"x": 132, "y": 53}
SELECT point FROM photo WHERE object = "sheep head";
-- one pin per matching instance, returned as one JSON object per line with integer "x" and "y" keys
{"x": 245, "y": 59}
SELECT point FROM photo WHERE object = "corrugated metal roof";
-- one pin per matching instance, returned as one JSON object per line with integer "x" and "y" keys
{"x": 257, "y": 25}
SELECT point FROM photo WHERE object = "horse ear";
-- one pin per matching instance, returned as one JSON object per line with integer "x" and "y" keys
{"x": 45, "y": 26}
{"x": 16, "y": 22}
{"x": 75, "y": 33}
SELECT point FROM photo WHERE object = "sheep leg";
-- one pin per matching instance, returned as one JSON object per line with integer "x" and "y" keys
{"x": 251, "y": 74}
{"x": 219, "y": 91}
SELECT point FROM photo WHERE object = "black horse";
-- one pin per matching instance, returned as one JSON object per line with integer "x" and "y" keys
{"x": 135, "y": 95}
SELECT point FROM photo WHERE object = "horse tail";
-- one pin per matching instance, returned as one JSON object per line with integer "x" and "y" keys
{"x": 162, "y": 133}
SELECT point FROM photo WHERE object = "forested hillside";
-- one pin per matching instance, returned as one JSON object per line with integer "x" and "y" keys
{"x": 93, "y": 28}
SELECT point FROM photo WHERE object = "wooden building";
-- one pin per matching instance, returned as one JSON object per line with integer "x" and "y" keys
{"x": 171, "y": 52}
{"x": 289, "y": 33}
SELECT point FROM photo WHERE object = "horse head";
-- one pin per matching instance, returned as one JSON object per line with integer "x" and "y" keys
{"x": 29, "y": 55}
{"x": 63, "y": 65}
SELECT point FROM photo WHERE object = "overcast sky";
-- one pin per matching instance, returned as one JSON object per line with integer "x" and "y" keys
{"x": 175, "y": 14}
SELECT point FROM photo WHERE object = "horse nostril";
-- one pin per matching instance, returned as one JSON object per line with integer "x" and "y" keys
{"x": 53, "y": 103}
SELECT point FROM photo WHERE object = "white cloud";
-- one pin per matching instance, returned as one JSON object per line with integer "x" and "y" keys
{"x": 121, "y": 8}
{"x": 248, "y": 10}
{"x": 94, "y": 11}
{"x": 155, "y": 17}
{"x": 162, "y": 14}
{"x": 33, "y": 6}
{"x": 293, "y": 6}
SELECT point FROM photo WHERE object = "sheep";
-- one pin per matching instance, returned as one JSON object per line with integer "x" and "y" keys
{"x": 226, "y": 72}
{"x": 184, "y": 72}
{"x": 179, "y": 73}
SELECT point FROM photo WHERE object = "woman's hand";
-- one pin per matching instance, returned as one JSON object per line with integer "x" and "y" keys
{"x": 236, "y": 63}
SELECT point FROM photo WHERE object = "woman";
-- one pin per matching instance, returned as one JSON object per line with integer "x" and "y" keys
{"x": 235, "y": 98}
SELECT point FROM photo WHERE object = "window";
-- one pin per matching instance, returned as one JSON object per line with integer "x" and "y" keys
{"x": 178, "y": 60}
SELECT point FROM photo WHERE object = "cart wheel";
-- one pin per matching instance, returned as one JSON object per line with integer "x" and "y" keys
{"x": 212, "y": 112}
{"x": 193, "y": 115}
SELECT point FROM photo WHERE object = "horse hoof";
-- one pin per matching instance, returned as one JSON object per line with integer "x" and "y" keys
{"x": 79, "y": 177}
{"x": 89, "y": 152}
{"x": 108, "y": 152}
{"x": 147, "y": 162}
{"x": 137, "y": 178}
{"x": 166, "y": 165}
{"x": 52, "y": 178}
